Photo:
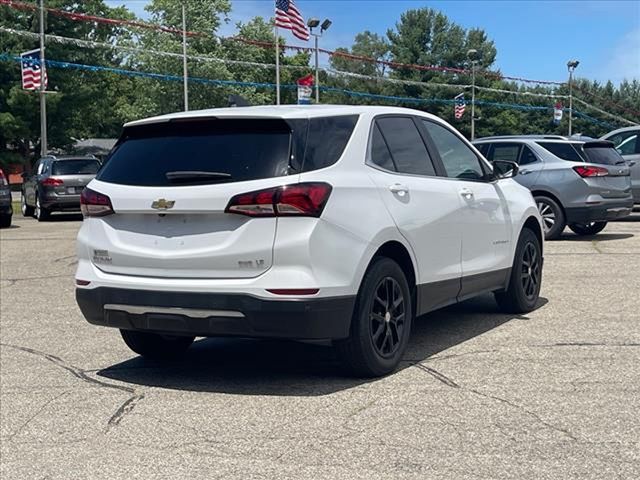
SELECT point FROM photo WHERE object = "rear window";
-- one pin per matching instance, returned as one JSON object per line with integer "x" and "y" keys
{"x": 602, "y": 154}
{"x": 75, "y": 167}
{"x": 565, "y": 151}
{"x": 237, "y": 149}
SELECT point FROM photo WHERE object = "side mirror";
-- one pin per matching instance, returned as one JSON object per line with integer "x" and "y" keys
{"x": 631, "y": 163}
{"x": 505, "y": 169}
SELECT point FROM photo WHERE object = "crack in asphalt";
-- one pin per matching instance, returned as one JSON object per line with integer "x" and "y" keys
{"x": 32, "y": 417}
{"x": 437, "y": 375}
{"x": 451, "y": 383}
{"x": 42, "y": 277}
{"x": 81, "y": 374}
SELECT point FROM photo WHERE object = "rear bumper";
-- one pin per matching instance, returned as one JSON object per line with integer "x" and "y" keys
{"x": 599, "y": 213}
{"x": 217, "y": 314}
{"x": 54, "y": 201}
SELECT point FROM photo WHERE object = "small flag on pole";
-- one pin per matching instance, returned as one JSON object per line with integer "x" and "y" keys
{"x": 459, "y": 106}
{"x": 288, "y": 16}
{"x": 32, "y": 73}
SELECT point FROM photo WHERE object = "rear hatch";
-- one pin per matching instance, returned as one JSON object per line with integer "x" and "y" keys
{"x": 73, "y": 175}
{"x": 601, "y": 167}
{"x": 617, "y": 182}
{"x": 169, "y": 184}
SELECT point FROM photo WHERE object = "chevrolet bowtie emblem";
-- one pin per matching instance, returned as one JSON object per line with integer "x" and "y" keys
{"x": 163, "y": 204}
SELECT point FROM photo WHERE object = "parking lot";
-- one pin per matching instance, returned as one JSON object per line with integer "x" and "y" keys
{"x": 554, "y": 394}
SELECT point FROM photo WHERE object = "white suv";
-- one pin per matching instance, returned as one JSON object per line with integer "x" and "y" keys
{"x": 337, "y": 223}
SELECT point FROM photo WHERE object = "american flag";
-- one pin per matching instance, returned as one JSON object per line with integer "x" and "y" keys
{"x": 288, "y": 16}
{"x": 458, "y": 109}
{"x": 31, "y": 72}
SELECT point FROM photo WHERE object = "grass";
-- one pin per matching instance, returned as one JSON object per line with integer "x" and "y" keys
{"x": 16, "y": 206}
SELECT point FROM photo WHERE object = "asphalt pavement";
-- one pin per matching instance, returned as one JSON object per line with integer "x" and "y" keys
{"x": 549, "y": 395}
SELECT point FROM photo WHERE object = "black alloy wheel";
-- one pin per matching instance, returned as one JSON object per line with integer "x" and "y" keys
{"x": 387, "y": 317}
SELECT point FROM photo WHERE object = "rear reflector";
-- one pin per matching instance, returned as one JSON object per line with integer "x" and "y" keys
{"x": 293, "y": 291}
{"x": 95, "y": 204}
{"x": 82, "y": 283}
{"x": 591, "y": 171}
{"x": 298, "y": 200}
{"x": 52, "y": 182}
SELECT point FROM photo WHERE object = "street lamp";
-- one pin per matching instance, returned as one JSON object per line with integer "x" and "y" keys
{"x": 314, "y": 23}
{"x": 472, "y": 54}
{"x": 571, "y": 66}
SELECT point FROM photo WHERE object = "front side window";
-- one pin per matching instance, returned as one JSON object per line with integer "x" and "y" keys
{"x": 626, "y": 143}
{"x": 406, "y": 146}
{"x": 527, "y": 156}
{"x": 458, "y": 159}
{"x": 505, "y": 151}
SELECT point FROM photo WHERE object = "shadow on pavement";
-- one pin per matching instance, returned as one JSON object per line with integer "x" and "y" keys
{"x": 65, "y": 217}
{"x": 287, "y": 368}
{"x": 600, "y": 237}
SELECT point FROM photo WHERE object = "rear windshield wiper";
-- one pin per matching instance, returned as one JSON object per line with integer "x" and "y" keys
{"x": 189, "y": 176}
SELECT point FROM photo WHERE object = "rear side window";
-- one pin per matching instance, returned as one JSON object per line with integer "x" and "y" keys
{"x": 327, "y": 139}
{"x": 602, "y": 155}
{"x": 565, "y": 151}
{"x": 406, "y": 146}
{"x": 236, "y": 149}
{"x": 75, "y": 167}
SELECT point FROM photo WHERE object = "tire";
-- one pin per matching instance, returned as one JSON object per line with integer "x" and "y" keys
{"x": 553, "y": 217}
{"x": 155, "y": 346}
{"x": 591, "y": 228}
{"x": 41, "y": 213}
{"x": 526, "y": 276}
{"x": 379, "y": 334}
{"x": 26, "y": 210}
{"x": 5, "y": 221}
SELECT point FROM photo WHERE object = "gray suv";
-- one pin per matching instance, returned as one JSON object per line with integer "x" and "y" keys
{"x": 579, "y": 183}
{"x": 56, "y": 185}
{"x": 627, "y": 143}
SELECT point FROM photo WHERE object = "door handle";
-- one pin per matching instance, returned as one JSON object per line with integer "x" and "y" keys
{"x": 401, "y": 190}
{"x": 524, "y": 172}
{"x": 466, "y": 194}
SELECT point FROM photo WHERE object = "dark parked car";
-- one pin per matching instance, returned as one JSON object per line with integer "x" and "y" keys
{"x": 56, "y": 185}
{"x": 6, "y": 212}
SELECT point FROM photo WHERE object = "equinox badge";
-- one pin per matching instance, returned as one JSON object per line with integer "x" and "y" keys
{"x": 163, "y": 204}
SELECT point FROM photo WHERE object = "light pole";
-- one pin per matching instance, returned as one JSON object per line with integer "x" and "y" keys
{"x": 43, "y": 75}
{"x": 571, "y": 66}
{"x": 185, "y": 75}
{"x": 313, "y": 23}
{"x": 472, "y": 54}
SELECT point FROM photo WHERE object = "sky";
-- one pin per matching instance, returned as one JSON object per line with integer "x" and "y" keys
{"x": 534, "y": 39}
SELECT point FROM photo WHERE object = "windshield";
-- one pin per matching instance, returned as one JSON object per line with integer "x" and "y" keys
{"x": 75, "y": 167}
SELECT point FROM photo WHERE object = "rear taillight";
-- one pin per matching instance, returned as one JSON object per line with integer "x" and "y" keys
{"x": 94, "y": 204}
{"x": 52, "y": 182}
{"x": 591, "y": 171}
{"x": 299, "y": 200}
{"x": 3, "y": 179}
